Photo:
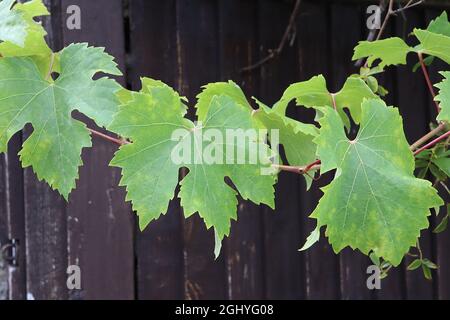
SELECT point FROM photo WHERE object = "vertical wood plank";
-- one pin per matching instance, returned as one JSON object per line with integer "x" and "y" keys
{"x": 3, "y": 230}
{"x": 100, "y": 223}
{"x": 353, "y": 264}
{"x": 394, "y": 286}
{"x": 283, "y": 263}
{"x": 244, "y": 258}
{"x": 12, "y": 222}
{"x": 152, "y": 53}
{"x": 413, "y": 102}
{"x": 45, "y": 219}
{"x": 321, "y": 265}
{"x": 198, "y": 63}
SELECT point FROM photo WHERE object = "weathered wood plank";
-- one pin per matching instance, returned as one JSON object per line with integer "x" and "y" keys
{"x": 238, "y": 48}
{"x": 100, "y": 223}
{"x": 321, "y": 265}
{"x": 394, "y": 286}
{"x": 45, "y": 219}
{"x": 283, "y": 263}
{"x": 353, "y": 264}
{"x": 12, "y": 225}
{"x": 198, "y": 63}
{"x": 159, "y": 252}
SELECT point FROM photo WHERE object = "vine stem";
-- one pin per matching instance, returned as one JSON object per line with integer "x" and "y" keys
{"x": 428, "y": 136}
{"x": 427, "y": 79}
{"x": 299, "y": 170}
{"x": 316, "y": 164}
{"x": 432, "y": 143}
{"x": 119, "y": 142}
{"x": 389, "y": 13}
{"x": 273, "y": 53}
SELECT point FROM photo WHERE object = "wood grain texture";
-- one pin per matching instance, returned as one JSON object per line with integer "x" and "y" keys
{"x": 321, "y": 264}
{"x": 153, "y": 54}
{"x": 353, "y": 264}
{"x": 198, "y": 64}
{"x": 244, "y": 248}
{"x": 283, "y": 263}
{"x": 100, "y": 222}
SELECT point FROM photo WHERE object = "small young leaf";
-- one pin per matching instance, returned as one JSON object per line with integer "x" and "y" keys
{"x": 382, "y": 91}
{"x": 217, "y": 244}
{"x": 426, "y": 272}
{"x": 374, "y": 258}
{"x": 429, "y": 264}
{"x": 391, "y": 51}
{"x": 444, "y": 166}
{"x": 427, "y": 61}
{"x": 442, "y": 225}
{"x": 414, "y": 265}
{"x": 437, "y": 173}
{"x": 372, "y": 82}
{"x": 312, "y": 239}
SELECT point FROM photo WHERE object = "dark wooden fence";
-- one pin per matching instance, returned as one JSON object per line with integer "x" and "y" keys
{"x": 188, "y": 43}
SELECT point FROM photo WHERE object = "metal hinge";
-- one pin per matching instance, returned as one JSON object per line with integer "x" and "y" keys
{"x": 9, "y": 252}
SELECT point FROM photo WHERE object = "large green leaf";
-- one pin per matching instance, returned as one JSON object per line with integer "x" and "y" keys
{"x": 444, "y": 97}
{"x": 155, "y": 124}
{"x": 391, "y": 51}
{"x": 374, "y": 203}
{"x": 54, "y": 147}
{"x": 13, "y": 27}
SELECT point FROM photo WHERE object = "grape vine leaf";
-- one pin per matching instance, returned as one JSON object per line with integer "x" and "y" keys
{"x": 312, "y": 239}
{"x": 54, "y": 148}
{"x": 433, "y": 44}
{"x": 34, "y": 44}
{"x": 310, "y": 93}
{"x": 390, "y": 51}
{"x": 156, "y": 126}
{"x": 440, "y": 25}
{"x": 296, "y": 137}
{"x": 374, "y": 203}
{"x": 210, "y": 90}
{"x": 444, "y": 97}
{"x": 314, "y": 93}
{"x": 13, "y": 27}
